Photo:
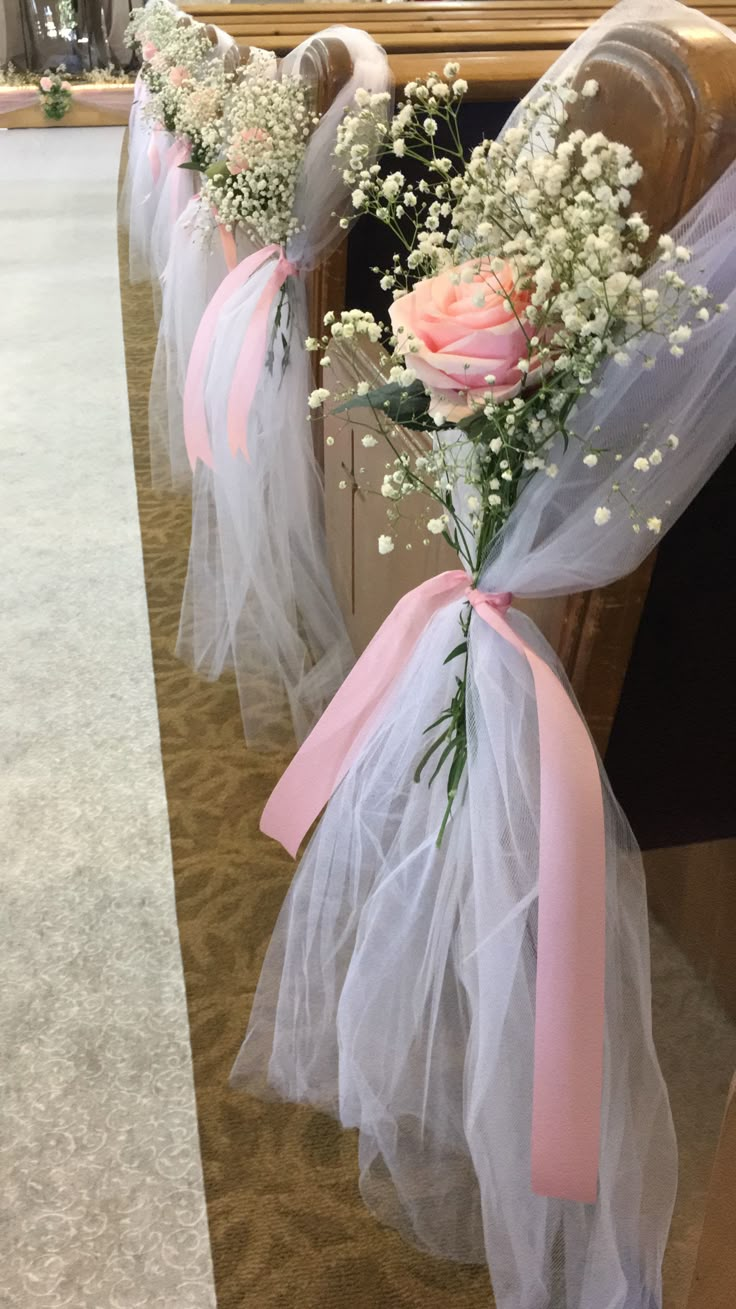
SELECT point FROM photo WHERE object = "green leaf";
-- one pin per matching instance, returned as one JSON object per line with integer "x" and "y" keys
{"x": 459, "y": 649}
{"x": 447, "y": 714}
{"x": 428, "y": 754}
{"x": 191, "y": 167}
{"x": 218, "y": 171}
{"x": 406, "y": 405}
{"x": 456, "y": 771}
{"x": 448, "y": 748}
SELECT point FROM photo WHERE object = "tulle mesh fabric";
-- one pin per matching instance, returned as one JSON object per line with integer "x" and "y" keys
{"x": 154, "y": 193}
{"x": 177, "y": 189}
{"x": 258, "y": 596}
{"x": 194, "y": 268}
{"x": 144, "y": 178}
{"x": 398, "y": 992}
{"x": 180, "y": 185}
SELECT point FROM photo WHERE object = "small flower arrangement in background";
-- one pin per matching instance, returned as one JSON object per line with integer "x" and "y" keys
{"x": 56, "y": 95}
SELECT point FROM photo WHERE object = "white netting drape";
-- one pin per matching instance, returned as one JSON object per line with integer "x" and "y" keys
{"x": 148, "y": 149}
{"x": 258, "y": 595}
{"x": 155, "y": 191}
{"x": 194, "y": 269}
{"x": 398, "y": 991}
{"x": 179, "y": 185}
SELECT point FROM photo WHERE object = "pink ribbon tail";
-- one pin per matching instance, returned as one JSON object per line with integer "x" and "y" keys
{"x": 153, "y": 155}
{"x": 196, "y": 433}
{"x": 229, "y": 248}
{"x": 251, "y": 358}
{"x": 568, "y": 1047}
{"x": 571, "y": 938}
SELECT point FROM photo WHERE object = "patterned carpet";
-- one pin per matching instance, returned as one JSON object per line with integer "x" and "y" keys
{"x": 287, "y": 1223}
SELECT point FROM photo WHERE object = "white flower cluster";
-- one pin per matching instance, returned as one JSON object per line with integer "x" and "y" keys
{"x": 265, "y": 133}
{"x": 165, "y": 37}
{"x": 176, "y": 52}
{"x": 198, "y": 110}
{"x": 415, "y": 213}
{"x": 540, "y": 221}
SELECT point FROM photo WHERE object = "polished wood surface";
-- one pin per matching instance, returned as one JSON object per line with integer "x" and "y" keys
{"x": 440, "y": 29}
{"x": 714, "y": 1280}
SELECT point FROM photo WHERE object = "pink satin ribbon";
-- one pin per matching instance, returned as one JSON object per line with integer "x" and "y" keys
{"x": 153, "y": 155}
{"x": 568, "y": 1045}
{"x": 249, "y": 362}
{"x": 229, "y": 248}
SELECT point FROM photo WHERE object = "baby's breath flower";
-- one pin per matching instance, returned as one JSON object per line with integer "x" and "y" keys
{"x": 437, "y": 525}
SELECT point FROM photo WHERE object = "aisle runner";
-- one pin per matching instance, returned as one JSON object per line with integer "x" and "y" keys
{"x": 99, "y": 1156}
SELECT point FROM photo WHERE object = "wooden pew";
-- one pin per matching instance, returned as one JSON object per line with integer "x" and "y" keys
{"x": 714, "y": 1280}
{"x": 467, "y": 25}
{"x": 504, "y": 46}
{"x": 670, "y": 85}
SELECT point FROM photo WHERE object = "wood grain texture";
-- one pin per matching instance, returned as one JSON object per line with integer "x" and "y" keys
{"x": 714, "y": 1280}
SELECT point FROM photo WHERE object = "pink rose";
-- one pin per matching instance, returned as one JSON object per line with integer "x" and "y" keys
{"x": 465, "y": 332}
{"x": 46, "y": 84}
{"x": 66, "y": 86}
{"x": 241, "y": 149}
{"x": 179, "y": 75}
{"x": 148, "y": 50}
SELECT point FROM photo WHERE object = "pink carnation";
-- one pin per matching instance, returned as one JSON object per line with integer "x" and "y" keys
{"x": 46, "y": 84}
{"x": 148, "y": 50}
{"x": 241, "y": 148}
{"x": 464, "y": 331}
{"x": 179, "y": 75}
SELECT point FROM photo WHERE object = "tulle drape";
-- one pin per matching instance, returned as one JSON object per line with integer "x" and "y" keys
{"x": 156, "y": 191}
{"x": 195, "y": 266}
{"x": 258, "y": 595}
{"x": 148, "y": 155}
{"x": 398, "y": 992}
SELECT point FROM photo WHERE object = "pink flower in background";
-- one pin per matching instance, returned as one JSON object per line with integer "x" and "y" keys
{"x": 66, "y": 86}
{"x": 464, "y": 331}
{"x": 46, "y": 84}
{"x": 148, "y": 50}
{"x": 179, "y": 75}
{"x": 241, "y": 148}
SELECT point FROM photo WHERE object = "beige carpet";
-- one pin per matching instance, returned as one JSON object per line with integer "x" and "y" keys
{"x": 286, "y": 1221}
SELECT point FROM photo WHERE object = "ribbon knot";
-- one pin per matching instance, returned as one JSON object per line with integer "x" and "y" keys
{"x": 499, "y": 600}
{"x": 251, "y": 356}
